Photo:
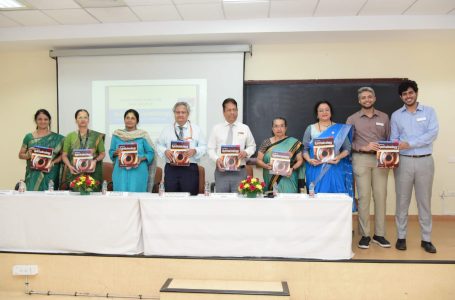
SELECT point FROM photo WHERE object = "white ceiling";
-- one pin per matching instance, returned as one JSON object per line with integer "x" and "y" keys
{"x": 66, "y": 23}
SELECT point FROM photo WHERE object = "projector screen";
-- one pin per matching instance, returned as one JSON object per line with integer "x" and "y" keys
{"x": 109, "y": 85}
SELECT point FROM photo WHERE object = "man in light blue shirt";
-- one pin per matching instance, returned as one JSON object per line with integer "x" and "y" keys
{"x": 416, "y": 127}
{"x": 182, "y": 178}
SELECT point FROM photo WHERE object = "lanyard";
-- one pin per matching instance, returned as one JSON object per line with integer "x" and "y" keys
{"x": 191, "y": 132}
{"x": 83, "y": 145}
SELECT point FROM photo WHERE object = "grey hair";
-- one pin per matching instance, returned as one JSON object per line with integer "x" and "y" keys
{"x": 365, "y": 89}
{"x": 182, "y": 103}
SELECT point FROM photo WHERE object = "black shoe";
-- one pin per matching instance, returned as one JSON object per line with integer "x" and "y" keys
{"x": 381, "y": 241}
{"x": 401, "y": 244}
{"x": 428, "y": 246}
{"x": 364, "y": 242}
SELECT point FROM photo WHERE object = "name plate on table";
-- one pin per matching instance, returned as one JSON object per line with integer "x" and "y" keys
{"x": 58, "y": 193}
{"x": 176, "y": 195}
{"x": 225, "y": 195}
{"x": 118, "y": 194}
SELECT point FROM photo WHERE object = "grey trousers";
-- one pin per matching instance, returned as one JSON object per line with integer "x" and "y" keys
{"x": 417, "y": 173}
{"x": 369, "y": 177}
{"x": 228, "y": 182}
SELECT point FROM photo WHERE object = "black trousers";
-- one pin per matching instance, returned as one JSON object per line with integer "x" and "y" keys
{"x": 181, "y": 179}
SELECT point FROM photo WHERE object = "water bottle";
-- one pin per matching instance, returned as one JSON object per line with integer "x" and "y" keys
{"x": 50, "y": 186}
{"x": 275, "y": 190}
{"x": 104, "y": 187}
{"x": 161, "y": 189}
{"x": 22, "y": 187}
{"x": 207, "y": 189}
{"x": 311, "y": 189}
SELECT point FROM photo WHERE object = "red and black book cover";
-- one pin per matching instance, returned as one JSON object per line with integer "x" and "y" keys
{"x": 178, "y": 149}
{"x": 388, "y": 155}
{"x": 83, "y": 160}
{"x": 324, "y": 149}
{"x": 230, "y": 156}
{"x": 281, "y": 163}
{"x": 41, "y": 158}
{"x": 127, "y": 157}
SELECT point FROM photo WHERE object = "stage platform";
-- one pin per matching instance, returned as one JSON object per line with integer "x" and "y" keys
{"x": 443, "y": 237}
{"x": 375, "y": 273}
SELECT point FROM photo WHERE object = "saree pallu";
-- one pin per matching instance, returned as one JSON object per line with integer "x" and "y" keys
{"x": 36, "y": 180}
{"x": 95, "y": 141}
{"x": 285, "y": 184}
{"x": 330, "y": 178}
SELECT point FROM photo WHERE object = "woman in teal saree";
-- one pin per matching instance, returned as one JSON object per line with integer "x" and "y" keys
{"x": 37, "y": 180}
{"x": 281, "y": 143}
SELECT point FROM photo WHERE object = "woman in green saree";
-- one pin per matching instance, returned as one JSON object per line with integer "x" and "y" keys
{"x": 37, "y": 180}
{"x": 279, "y": 142}
{"x": 83, "y": 138}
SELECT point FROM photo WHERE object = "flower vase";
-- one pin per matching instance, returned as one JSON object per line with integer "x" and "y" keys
{"x": 251, "y": 195}
{"x": 84, "y": 193}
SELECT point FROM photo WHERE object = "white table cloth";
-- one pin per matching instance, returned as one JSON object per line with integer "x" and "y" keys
{"x": 36, "y": 222}
{"x": 292, "y": 227}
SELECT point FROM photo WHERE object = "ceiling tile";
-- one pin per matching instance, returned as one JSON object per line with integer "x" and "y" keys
{"x": 292, "y": 8}
{"x": 385, "y": 7}
{"x": 338, "y": 8}
{"x": 240, "y": 10}
{"x": 30, "y": 17}
{"x": 205, "y": 11}
{"x": 431, "y": 7}
{"x": 100, "y": 3}
{"x": 113, "y": 14}
{"x": 71, "y": 16}
{"x": 177, "y": 2}
{"x": 157, "y": 13}
{"x": 148, "y": 2}
{"x": 5, "y": 22}
{"x": 53, "y": 4}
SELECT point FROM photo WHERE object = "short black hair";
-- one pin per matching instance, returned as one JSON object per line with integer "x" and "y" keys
{"x": 229, "y": 100}
{"x": 44, "y": 112}
{"x": 406, "y": 84}
{"x": 134, "y": 112}
{"x": 79, "y": 111}
{"x": 315, "y": 110}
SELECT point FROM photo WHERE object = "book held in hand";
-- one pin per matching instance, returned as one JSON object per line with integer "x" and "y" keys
{"x": 178, "y": 149}
{"x": 83, "y": 160}
{"x": 324, "y": 149}
{"x": 281, "y": 163}
{"x": 41, "y": 158}
{"x": 128, "y": 155}
{"x": 230, "y": 157}
{"x": 388, "y": 155}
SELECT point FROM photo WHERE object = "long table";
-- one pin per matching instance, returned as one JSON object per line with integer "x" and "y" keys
{"x": 292, "y": 226}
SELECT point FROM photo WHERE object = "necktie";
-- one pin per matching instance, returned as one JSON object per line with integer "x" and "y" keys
{"x": 230, "y": 135}
{"x": 181, "y": 133}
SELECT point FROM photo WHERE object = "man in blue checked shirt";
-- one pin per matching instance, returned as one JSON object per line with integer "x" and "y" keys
{"x": 416, "y": 127}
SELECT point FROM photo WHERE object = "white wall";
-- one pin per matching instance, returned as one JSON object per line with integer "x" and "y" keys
{"x": 28, "y": 82}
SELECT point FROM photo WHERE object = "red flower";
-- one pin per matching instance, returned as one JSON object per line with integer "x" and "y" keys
{"x": 241, "y": 186}
{"x": 248, "y": 179}
{"x": 72, "y": 184}
{"x": 252, "y": 187}
{"x": 87, "y": 181}
{"x": 263, "y": 184}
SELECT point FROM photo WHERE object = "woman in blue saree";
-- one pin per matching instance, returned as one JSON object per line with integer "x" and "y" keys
{"x": 134, "y": 179}
{"x": 279, "y": 142}
{"x": 335, "y": 175}
{"x": 37, "y": 180}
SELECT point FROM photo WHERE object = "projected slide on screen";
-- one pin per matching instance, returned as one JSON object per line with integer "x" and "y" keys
{"x": 153, "y": 99}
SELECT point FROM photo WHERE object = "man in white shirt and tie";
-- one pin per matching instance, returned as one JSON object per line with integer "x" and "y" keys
{"x": 182, "y": 178}
{"x": 230, "y": 132}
